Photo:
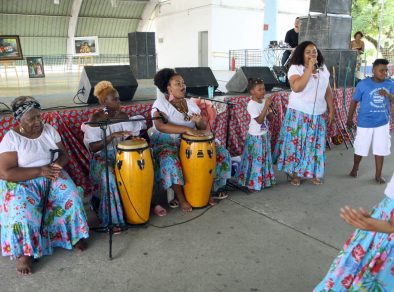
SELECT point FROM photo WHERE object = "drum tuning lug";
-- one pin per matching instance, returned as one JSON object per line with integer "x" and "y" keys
{"x": 200, "y": 154}
{"x": 119, "y": 164}
{"x": 188, "y": 153}
{"x": 210, "y": 152}
{"x": 141, "y": 163}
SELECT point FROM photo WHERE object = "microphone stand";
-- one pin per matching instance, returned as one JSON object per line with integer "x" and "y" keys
{"x": 103, "y": 126}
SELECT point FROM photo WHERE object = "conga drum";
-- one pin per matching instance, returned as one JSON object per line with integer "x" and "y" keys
{"x": 198, "y": 159}
{"x": 134, "y": 177}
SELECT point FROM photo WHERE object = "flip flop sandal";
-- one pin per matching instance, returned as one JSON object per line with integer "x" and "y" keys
{"x": 220, "y": 195}
{"x": 173, "y": 204}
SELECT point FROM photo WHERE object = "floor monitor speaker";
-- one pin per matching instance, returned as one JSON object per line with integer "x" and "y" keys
{"x": 239, "y": 82}
{"x": 120, "y": 76}
{"x": 197, "y": 79}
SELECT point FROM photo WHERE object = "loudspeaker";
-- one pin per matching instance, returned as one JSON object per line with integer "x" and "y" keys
{"x": 197, "y": 79}
{"x": 344, "y": 62}
{"x": 120, "y": 76}
{"x": 326, "y": 31}
{"x": 142, "y": 43}
{"x": 142, "y": 52}
{"x": 331, "y": 6}
{"x": 239, "y": 82}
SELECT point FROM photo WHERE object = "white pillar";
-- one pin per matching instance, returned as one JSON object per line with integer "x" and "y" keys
{"x": 72, "y": 26}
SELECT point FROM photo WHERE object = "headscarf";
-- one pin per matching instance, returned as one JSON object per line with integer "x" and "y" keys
{"x": 22, "y": 105}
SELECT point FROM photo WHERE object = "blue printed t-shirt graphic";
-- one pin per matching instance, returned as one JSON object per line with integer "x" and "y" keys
{"x": 374, "y": 108}
{"x": 264, "y": 126}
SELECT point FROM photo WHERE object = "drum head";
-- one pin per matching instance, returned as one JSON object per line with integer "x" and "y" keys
{"x": 207, "y": 137}
{"x": 132, "y": 144}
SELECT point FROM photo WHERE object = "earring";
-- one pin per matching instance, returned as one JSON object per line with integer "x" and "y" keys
{"x": 21, "y": 129}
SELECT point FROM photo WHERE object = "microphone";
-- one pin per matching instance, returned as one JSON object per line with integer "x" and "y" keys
{"x": 161, "y": 116}
{"x": 316, "y": 66}
{"x": 274, "y": 111}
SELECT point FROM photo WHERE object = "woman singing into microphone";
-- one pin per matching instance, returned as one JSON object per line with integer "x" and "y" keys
{"x": 300, "y": 151}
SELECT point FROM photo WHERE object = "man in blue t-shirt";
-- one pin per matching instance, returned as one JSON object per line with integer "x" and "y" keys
{"x": 375, "y": 95}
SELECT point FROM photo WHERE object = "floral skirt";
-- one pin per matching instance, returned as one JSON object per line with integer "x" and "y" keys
{"x": 366, "y": 262}
{"x": 301, "y": 147}
{"x": 168, "y": 168}
{"x": 20, "y": 216}
{"x": 98, "y": 177}
{"x": 255, "y": 170}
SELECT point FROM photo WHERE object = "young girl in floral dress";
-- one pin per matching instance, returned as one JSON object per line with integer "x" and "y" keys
{"x": 255, "y": 171}
{"x": 366, "y": 262}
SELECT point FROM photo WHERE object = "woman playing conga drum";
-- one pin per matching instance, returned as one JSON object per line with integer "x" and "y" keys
{"x": 183, "y": 118}
{"x": 108, "y": 97}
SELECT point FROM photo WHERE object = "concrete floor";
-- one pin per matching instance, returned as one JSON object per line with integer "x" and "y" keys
{"x": 280, "y": 239}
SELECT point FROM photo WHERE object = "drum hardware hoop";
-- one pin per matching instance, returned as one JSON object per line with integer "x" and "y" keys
{"x": 189, "y": 141}
{"x": 131, "y": 150}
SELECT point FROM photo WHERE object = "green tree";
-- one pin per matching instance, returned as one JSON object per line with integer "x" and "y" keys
{"x": 366, "y": 18}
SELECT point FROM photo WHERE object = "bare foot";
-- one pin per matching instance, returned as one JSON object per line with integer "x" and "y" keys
{"x": 295, "y": 181}
{"x": 316, "y": 181}
{"x": 81, "y": 245}
{"x": 23, "y": 265}
{"x": 353, "y": 173}
{"x": 185, "y": 206}
{"x": 212, "y": 201}
{"x": 380, "y": 180}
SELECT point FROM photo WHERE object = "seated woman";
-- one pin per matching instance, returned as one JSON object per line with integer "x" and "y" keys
{"x": 183, "y": 117}
{"x": 108, "y": 97}
{"x": 25, "y": 171}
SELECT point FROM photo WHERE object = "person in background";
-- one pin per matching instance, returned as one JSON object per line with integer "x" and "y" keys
{"x": 291, "y": 39}
{"x": 357, "y": 43}
{"x": 25, "y": 171}
{"x": 375, "y": 96}
{"x": 255, "y": 171}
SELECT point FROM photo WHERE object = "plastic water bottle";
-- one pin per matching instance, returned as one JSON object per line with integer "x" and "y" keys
{"x": 210, "y": 91}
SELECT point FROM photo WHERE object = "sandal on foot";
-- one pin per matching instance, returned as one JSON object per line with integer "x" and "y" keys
{"x": 380, "y": 180}
{"x": 295, "y": 181}
{"x": 159, "y": 211}
{"x": 173, "y": 204}
{"x": 220, "y": 195}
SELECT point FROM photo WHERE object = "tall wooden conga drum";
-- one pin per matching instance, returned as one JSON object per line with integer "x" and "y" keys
{"x": 198, "y": 159}
{"x": 134, "y": 177}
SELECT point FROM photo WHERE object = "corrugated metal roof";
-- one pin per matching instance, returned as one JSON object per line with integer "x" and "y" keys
{"x": 46, "y": 7}
{"x": 39, "y": 46}
{"x": 105, "y": 27}
{"x": 34, "y": 25}
{"x": 104, "y": 8}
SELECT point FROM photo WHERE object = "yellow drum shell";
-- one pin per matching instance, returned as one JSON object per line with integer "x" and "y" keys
{"x": 134, "y": 177}
{"x": 198, "y": 159}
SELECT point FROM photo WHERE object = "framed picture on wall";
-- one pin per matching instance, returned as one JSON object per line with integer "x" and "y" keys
{"x": 10, "y": 48}
{"x": 35, "y": 66}
{"x": 86, "y": 46}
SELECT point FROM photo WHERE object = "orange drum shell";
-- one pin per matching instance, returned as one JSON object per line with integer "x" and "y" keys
{"x": 135, "y": 185}
{"x": 198, "y": 170}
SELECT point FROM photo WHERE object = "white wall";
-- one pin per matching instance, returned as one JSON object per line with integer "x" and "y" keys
{"x": 234, "y": 28}
{"x": 177, "y": 27}
{"x": 231, "y": 24}
{"x": 287, "y": 12}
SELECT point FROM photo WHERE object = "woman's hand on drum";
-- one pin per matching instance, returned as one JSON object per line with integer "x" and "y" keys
{"x": 51, "y": 171}
{"x": 196, "y": 118}
{"x": 120, "y": 134}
